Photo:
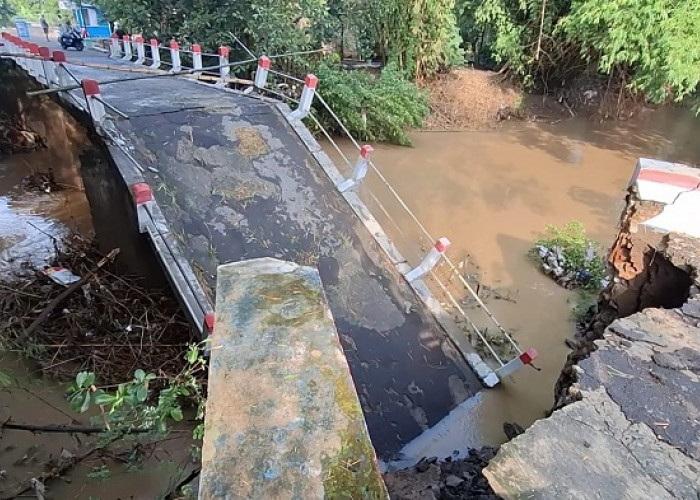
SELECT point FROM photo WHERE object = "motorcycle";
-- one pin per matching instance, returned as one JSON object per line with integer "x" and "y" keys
{"x": 73, "y": 39}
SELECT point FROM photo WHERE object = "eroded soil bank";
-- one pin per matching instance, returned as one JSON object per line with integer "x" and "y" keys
{"x": 627, "y": 401}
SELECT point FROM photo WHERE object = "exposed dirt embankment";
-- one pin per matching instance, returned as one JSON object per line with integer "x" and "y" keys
{"x": 626, "y": 425}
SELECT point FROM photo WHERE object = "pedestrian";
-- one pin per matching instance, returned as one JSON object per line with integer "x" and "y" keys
{"x": 44, "y": 27}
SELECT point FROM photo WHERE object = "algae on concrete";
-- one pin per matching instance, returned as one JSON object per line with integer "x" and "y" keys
{"x": 283, "y": 419}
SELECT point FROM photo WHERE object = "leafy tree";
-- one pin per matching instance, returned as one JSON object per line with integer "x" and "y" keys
{"x": 7, "y": 12}
{"x": 655, "y": 42}
{"x": 372, "y": 108}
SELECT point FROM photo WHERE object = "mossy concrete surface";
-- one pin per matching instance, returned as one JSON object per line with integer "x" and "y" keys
{"x": 283, "y": 419}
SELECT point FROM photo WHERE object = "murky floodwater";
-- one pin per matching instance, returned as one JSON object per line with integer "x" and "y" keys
{"x": 30, "y": 221}
{"x": 492, "y": 193}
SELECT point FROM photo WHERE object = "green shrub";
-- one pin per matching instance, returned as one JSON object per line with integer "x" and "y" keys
{"x": 373, "y": 108}
{"x": 570, "y": 257}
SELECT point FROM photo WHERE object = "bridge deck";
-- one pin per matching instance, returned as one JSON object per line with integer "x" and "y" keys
{"x": 235, "y": 183}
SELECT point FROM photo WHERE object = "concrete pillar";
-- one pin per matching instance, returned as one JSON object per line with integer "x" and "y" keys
{"x": 127, "y": 48}
{"x": 262, "y": 72}
{"x": 140, "y": 50}
{"x": 524, "y": 359}
{"x": 115, "y": 53}
{"x": 307, "y": 97}
{"x": 45, "y": 55}
{"x": 282, "y": 419}
{"x": 34, "y": 64}
{"x": 360, "y": 170}
{"x": 224, "y": 71}
{"x": 92, "y": 95}
{"x": 197, "y": 57}
{"x": 430, "y": 260}
{"x": 175, "y": 56}
{"x": 62, "y": 77}
{"x": 143, "y": 196}
{"x": 155, "y": 54}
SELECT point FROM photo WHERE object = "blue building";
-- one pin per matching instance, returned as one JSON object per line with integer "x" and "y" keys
{"x": 92, "y": 19}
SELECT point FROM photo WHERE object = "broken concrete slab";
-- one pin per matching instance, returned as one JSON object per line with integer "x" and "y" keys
{"x": 282, "y": 419}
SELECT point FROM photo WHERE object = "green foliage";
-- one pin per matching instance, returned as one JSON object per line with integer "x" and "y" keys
{"x": 422, "y": 36}
{"x": 581, "y": 304}
{"x": 135, "y": 405}
{"x": 372, "y": 108}
{"x": 657, "y": 45}
{"x": 31, "y": 10}
{"x": 649, "y": 45}
{"x": 581, "y": 263}
{"x": 7, "y": 13}
{"x": 5, "y": 379}
{"x": 101, "y": 472}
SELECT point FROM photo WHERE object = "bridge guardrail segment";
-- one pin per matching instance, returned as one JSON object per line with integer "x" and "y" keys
{"x": 52, "y": 72}
{"x": 454, "y": 292}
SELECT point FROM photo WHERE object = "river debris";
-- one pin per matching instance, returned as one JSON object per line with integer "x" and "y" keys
{"x": 102, "y": 323}
{"x": 44, "y": 182}
{"x": 16, "y": 136}
{"x": 432, "y": 479}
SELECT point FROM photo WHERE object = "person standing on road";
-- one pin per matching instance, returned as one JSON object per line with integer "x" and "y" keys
{"x": 44, "y": 27}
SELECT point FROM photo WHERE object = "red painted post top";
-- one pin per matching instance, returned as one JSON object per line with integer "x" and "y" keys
{"x": 311, "y": 81}
{"x": 442, "y": 245}
{"x": 209, "y": 321}
{"x": 142, "y": 193}
{"x": 196, "y": 48}
{"x": 366, "y": 150}
{"x": 33, "y": 49}
{"x": 126, "y": 38}
{"x": 138, "y": 39}
{"x": 90, "y": 87}
{"x": 529, "y": 356}
{"x": 174, "y": 45}
{"x": 264, "y": 62}
{"x": 154, "y": 42}
{"x": 223, "y": 51}
{"x": 59, "y": 56}
{"x": 44, "y": 52}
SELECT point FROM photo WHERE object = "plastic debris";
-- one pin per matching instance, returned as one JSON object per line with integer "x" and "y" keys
{"x": 61, "y": 275}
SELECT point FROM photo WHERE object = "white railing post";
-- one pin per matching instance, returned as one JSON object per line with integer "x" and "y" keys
{"x": 155, "y": 54}
{"x": 175, "y": 56}
{"x": 225, "y": 69}
{"x": 62, "y": 77}
{"x": 261, "y": 74}
{"x": 114, "y": 47}
{"x": 45, "y": 55}
{"x": 360, "y": 170}
{"x": 143, "y": 198}
{"x": 92, "y": 96}
{"x": 197, "y": 58}
{"x": 50, "y": 65}
{"x": 307, "y": 97}
{"x": 429, "y": 261}
{"x": 127, "y": 48}
{"x": 524, "y": 359}
{"x": 34, "y": 63}
{"x": 140, "y": 50}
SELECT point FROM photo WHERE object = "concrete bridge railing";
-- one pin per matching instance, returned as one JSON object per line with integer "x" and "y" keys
{"x": 425, "y": 273}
